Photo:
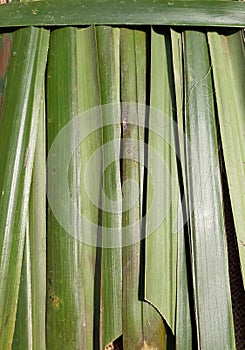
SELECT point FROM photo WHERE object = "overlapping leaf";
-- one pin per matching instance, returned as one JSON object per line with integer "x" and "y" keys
{"x": 19, "y": 120}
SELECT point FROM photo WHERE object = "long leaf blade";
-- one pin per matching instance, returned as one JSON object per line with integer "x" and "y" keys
{"x": 187, "y": 13}
{"x": 161, "y": 245}
{"x": 28, "y": 61}
{"x": 30, "y": 327}
{"x": 71, "y": 263}
{"x": 207, "y": 234}
{"x": 111, "y": 258}
{"x": 228, "y": 57}
{"x": 183, "y": 318}
{"x": 138, "y": 318}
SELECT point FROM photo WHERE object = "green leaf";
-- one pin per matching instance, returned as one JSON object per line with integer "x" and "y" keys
{"x": 71, "y": 90}
{"x": 19, "y": 121}
{"x": 131, "y": 307}
{"x": 23, "y": 325}
{"x": 30, "y": 326}
{"x": 142, "y": 325}
{"x": 77, "y": 12}
{"x": 111, "y": 259}
{"x": 31, "y": 312}
{"x": 213, "y": 309}
{"x": 227, "y": 56}
{"x": 161, "y": 244}
{"x": 183, "y": 320}
{"x": 37, "y": 219}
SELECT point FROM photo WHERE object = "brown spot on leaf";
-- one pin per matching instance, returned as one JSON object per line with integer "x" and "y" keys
{"x": 125, "y": 115}
{"x": 56, "y": 301}
{"x": 4, "y": 324}
{"x": 4, "y": 54}
{"x": 26, "y": 157}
